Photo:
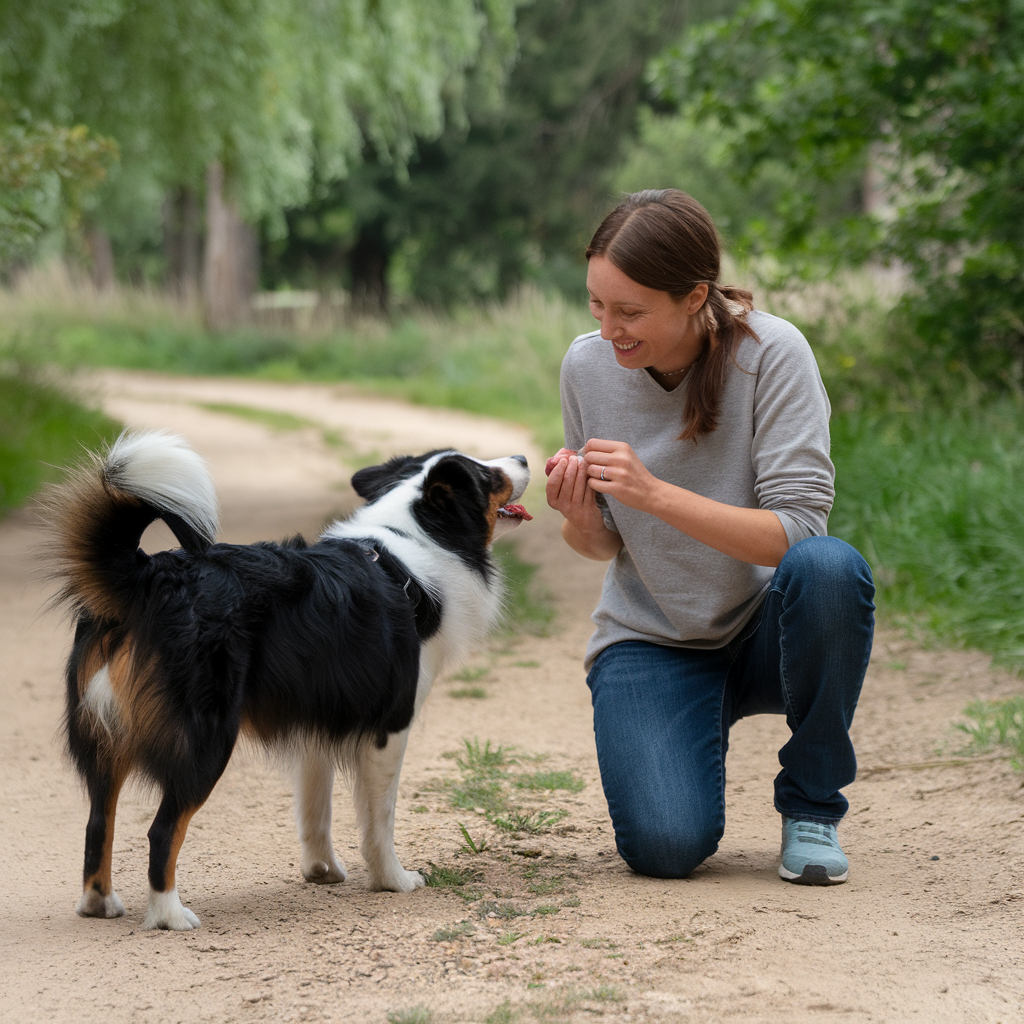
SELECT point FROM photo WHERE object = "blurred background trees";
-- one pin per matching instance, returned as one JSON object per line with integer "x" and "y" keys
{"x": 448, "y": 151}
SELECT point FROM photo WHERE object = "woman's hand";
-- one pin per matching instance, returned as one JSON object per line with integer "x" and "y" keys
{"x": 568, "y": 491}
{"x": 612, "y": 467}
{"x": 754, "y": 535}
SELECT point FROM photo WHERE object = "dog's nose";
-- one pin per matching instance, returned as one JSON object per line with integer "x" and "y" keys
{"x": 521, "y": 459}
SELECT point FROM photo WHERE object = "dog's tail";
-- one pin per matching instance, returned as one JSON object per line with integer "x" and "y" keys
{"x": 99, "y": 516}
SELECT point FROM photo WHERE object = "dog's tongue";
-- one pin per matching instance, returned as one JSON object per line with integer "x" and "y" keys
{"x": 515, "y": 512}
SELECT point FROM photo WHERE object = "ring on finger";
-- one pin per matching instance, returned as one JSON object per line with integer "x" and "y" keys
{"x": 602, "y": 473}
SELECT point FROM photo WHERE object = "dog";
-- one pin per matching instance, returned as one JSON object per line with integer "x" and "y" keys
{"x": 325, "y": 650}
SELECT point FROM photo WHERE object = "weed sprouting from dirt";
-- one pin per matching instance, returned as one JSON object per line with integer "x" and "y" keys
{"x": 441, "y": 877}
{"x": 996, "y": 723}
{"x": 457, "y": 931}
{"x": 472, "y": 692}
{"x": 549, "y": 780}
{"x": 413, "y": 1015}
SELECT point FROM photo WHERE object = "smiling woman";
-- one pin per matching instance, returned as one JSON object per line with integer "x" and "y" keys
{"x": 721, "y": 574}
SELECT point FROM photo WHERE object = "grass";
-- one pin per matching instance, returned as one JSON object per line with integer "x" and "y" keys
{"x": 413, "y": 1015}
{"x": 449, "y": 877}
{"x": 998, "y": 723}
{"x": 42, "y": 430}
{"x": 528, "y": 607}
{"x": 489, "y": 785}
{"x": 929, "y": 463}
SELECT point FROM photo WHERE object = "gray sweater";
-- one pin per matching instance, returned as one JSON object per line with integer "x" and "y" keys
{"x": 770, "y": 450}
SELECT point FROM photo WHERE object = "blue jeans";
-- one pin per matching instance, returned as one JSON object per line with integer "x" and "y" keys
{"x": 662, "y": 714}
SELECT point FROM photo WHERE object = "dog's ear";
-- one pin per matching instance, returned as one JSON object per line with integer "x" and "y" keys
{"x": 452, "y": 481}
{"x": 373, "y": 481}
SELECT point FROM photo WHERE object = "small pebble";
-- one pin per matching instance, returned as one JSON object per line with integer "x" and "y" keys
{"x": 935, "y": 858}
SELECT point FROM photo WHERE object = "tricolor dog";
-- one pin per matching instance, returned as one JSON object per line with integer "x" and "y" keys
{"x": 325, "y": 650}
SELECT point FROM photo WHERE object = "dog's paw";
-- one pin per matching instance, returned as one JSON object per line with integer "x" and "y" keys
{"x": 398, "y": 880}
{"x": 166, "y": 911}
{"x": 324, "y": 872}
{"x": 93, "y": 904}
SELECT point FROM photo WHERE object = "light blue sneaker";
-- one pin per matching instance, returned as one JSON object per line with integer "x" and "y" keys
{"x": 811, "y": 854}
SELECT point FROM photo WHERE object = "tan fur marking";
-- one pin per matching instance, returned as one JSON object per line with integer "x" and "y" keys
{"x": 498, "y": 499}
{"x": 73, "y": 511}
{"x": 90, "y": 664}
{"x": 176, "y": 840}
{"x": 101, "y": 879}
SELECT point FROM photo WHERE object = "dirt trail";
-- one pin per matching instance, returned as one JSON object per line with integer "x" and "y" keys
{"x": 554, "y": 927}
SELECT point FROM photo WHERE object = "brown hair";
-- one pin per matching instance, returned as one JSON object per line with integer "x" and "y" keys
{"x": 664, "y": 239}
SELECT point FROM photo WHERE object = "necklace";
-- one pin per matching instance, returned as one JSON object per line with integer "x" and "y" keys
{"x": 670, "y": 373}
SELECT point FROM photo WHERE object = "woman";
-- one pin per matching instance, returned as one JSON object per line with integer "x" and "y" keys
{"x": 697, "y": 461}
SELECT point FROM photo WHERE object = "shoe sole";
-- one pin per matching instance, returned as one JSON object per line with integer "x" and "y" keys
{"x": 812, "y": 874}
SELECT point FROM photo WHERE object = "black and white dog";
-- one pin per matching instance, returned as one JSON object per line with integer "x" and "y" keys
{"x": 327, "y": 649}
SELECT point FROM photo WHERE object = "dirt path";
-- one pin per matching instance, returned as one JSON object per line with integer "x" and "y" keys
{"x": 553, "y": 926}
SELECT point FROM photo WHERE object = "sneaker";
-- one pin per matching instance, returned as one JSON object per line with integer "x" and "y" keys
{"x": 811, "y": 854}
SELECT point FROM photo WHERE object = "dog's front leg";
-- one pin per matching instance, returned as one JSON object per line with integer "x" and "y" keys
{"x": 375, "y": 790}
{"x": 314, "y": 786}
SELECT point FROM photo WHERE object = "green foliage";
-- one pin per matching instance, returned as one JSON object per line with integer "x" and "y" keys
{"x": 930, "y": 493}
{"x": 927, "y": 93}
{"x": 499, "y": 360}
{"x": 45, "y": 171}
{"x": 512, "y": 198}
{"x": 280, "y": 91}
{"x": 42, "y": 431}
{"x": 996, "y": 723}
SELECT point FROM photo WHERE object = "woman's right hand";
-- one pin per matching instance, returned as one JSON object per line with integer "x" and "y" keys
{"x": 567, "y": 492}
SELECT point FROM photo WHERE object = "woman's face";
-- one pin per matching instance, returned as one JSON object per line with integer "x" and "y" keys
{"x": 647, "y": 327}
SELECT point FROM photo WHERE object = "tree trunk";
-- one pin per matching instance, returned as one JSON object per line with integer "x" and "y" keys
{"x": 231, "y": 258}
{"x": 101, "y": 258}
{"x": 182, "y": 243}
{"x": 368, "y": 263}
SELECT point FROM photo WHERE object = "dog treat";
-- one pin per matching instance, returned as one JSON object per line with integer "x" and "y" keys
{"x": 553, "y": 461}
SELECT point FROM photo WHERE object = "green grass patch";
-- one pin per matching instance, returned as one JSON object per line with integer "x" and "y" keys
{"x": 458, "y": 931}
{"x": 932, "y": 498}
{"x": 281, "y": 421}
{"x": 488, "y": 785}
{"x": 550, "y": 780}
{"x": 532, "y": 822}
{"x": 470, "y": 692}
{"x": 441, "y": 877}
{"x": 413, "y": 1015}
{"x": 471, "y": 674}
{"x": 528, "y": 606}
{"x": 42, "y": 431}
{"x": 996, "y": 724}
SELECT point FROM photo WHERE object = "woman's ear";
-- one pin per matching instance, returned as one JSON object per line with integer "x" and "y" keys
{"x": 696, "y": 298}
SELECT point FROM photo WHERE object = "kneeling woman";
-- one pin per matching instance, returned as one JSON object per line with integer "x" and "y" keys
{"x": 697, "y": 461}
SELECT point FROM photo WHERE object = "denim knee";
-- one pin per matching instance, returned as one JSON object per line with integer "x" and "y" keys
{"x": 662, "y": 850}
{"x": 828, "y": 574}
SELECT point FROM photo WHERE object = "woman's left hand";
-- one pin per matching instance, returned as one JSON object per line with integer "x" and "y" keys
{"x": 614, "y": 468}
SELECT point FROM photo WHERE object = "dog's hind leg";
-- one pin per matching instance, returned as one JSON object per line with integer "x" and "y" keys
{"x": 98, "y": 896}
{"x": 186, "y": 788}
{"x": 314, "y": 786}
{"x": 166, "y": 835}
{"x": 375, "y": 773}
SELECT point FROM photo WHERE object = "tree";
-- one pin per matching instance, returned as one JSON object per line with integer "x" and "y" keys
{"x": 275, "y": 91}
{"x": 45, "y": 171}
{"x": 513, "y": 196}
{"x": 928, "y": 93}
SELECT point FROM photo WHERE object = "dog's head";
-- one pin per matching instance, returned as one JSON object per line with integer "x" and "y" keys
{"x": 462, "y": 503}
